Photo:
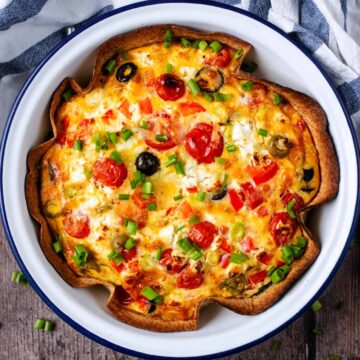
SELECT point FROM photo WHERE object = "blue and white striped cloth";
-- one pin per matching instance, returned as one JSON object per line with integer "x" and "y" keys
{"x": 330, "y": 29}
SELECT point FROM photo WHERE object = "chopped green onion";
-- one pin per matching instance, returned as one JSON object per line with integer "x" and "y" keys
{"x": 340, "y": 305}
{"x": 145, "y": 124}
{"x": 170, "y": 162}
{"x": 289, "y": 209}
{"x": 124, "y": 196}
{"x": 49, "y": 325}
{"x": 81, "y": 255}
{"x": 275, "y": 345}
{"x": 130, "y": 243}
{"x": 57, "y": 246}
{"x": 297, "y": 251}
{"x": 116, "y": 156}
{"x": 147, "y": 187}
{"x": 126, "y": 134}
{"x": 185, "y": 42}
{"x": 133, "y": 184}
{"x": 110, "y": 66}
{"x": 151, "y": 207}
{"x": 161, "y": 137}
{"x": 179, "y": 168}
{"x": 180, "y": 227}
{"x": 131, "y": 227}
{"x": 224, "y": 179}
{"x": 203, "y": 45}
{"x": 287, "y": 251}
{"x": 249, "y": 67}
{"x": 237, "y": 231}
{"x": 168, "y": 68}
{"x": 220, "y": 160}
{"x": 301, "y": 241}
{"x": 277, "y": 99}
{"x": 263, "y": 132}
{"x": 185, "y": 244}
{"x": 145, "y": 196}
{"x": 158, "y": 253}
{"x": 208, "y": 97}
{"x": 316, "y": 306}
{"x": 220, "y": 97}
{"x": 158, "y": 300}
{"x": 317, "y": 332}
{"x": 19, "y": 278}
{"x": 112, "y": 254}
{"x": 215, "y": 46}
{"x": 67, "y": 94}
{"x": 247, "y": 86}
{"x": 194, "y": 219}
{"x": 112, "y": 137}
{"x": 88, "y": 173}
{"x": 149, "y": 293}
{"x": 238, "y": 258}
{"x": 195, "y": 254}
{"x": 194, "y": 87}
{"x": 196, "y": 43}
{"x": 39, "y": 324}
{"x": 230, "y": 148}
{"x": 271, "y": 271}
{"x": 178, "y": 197}
{"x": 201, "y": 195}
{"x": 168, "y": 38}
{"x": 139, "y": 177}
{"x": 238, "y": 54}
{"x": 276, "y": 275}
{"x": 78, "y": 145}
{"x": 334, "y": 357}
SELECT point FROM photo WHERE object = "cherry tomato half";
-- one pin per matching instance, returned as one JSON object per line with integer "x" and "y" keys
{"x": 262, "y": 173}
{"x": 128, "y": 255}
{"x": 202, "y": 234}
{"x": 282, "y": 228}
{"x": 189, "y": 279}
{"x": 108, "y": 172}
{"x": 77, "y": 225}
{"x": 288, "y": 196}
{"x": 190, "y": 107}
{"x": 203, "y": 144}
{"x": 221, "y": 59}
{"x": 169, "y": 87}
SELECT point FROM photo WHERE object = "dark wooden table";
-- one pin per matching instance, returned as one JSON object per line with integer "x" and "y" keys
{"x": 20, "y": 306}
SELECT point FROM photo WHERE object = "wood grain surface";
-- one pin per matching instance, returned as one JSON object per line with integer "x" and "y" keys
{"x": 20, "y": 306}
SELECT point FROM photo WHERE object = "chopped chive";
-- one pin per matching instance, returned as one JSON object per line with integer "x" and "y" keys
{"x": 289, "y": 209}
{"x": 67, "y": 94}
{"x": 194, "y": 219}
{"x": 139, "y": 177}
{"x": 81, "y": 255}
{"x": 317, "y": 332}
{"x": 238, "y": 54}
{"x": 263, "y": 132}
{"x": 49, "y": 325}
{"x": 177, "y": 197}
{"x": 180, "y": 227}
{"x": 170, "y": 162}
{"x": 116, "y": 156}
{"x": 249, "y": 67}
{"x": 276, "y": 275}
{"x": 158, "y": 253}
{"x": 131, "y": 227}
{"x": 179, "y": 168}
{"x": 220, "y": 97}
{"x": 277, "y": 99}
{"x": 152, "y": 207}
{"x": 247, "y": 86}
{"x": 208, "y": 97}
{"x": 124, "y": 196}
{"x": 39, "y": 324}
{"x": 19, "y": 278}
{"x": 230, "y": 148}
{"x": 168, "y": 68}
{"x": 149, "y": 293}
{"x": 275, "y": 345}
{"x": 126, "y": 134}
{"x": 203, "y": 45}
{"x": 78, "y": 145}
{"x": 194, "y": 87}
{"x": 57, "y": 246}
{"x": 88, "y": 173}
{"x": 185, "y": 42}
{"x": 109, "y": 66}
{"x": 185, "y": 244}
{"x": 161, "y": 137}
{"x": 215, "y": 46}
{"x": 201, "y": 195}
{"x": 316, "y": 306}
{"x": 196, "y": 43}
{"x": 220, "y": 160}
{"x": 238, "y": 258}
{"x": 112, "y": 137}
{"x": 147, "y": 187}
{"x": 168, "y": 38}
{"x": 130, "y": 243}
{"x": 145, "y": 124}
{"x": 195, "y": 254}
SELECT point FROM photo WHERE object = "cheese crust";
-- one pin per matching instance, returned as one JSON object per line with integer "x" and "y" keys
{"x": 276, "y": 162}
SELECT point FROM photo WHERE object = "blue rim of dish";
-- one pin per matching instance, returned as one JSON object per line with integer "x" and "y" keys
{"x": 33, "y": 284}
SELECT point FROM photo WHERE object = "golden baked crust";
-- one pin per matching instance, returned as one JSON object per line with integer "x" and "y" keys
{"x": 311, "y": 112}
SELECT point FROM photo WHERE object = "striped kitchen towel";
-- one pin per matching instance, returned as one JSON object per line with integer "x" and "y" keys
{"x": 329, "y": 29}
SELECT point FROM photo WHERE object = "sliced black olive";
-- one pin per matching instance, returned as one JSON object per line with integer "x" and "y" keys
{"x": 126, "y": 72}
{"x": 279, "y": 146}
{"x": 152, "y": 308}
{"x": 147, "y": 163}
{"x": 308, "y": 174}
{"x": 209, "y": 79}
{"x": 307, "y": 189}
{"x": 219, "y": 195}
